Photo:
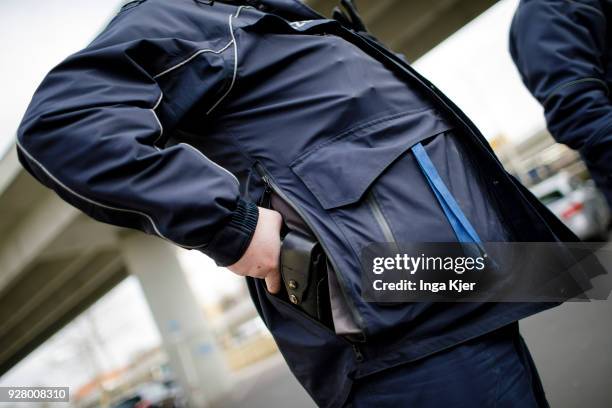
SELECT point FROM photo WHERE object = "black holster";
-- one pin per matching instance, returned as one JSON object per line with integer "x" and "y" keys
{"x": 304, "y": 273}
{"x": 303, "y": 264}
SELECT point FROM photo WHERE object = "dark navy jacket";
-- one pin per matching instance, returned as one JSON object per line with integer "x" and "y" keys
{"x": 563, "y": 52}
{"x": 179, "y": 116}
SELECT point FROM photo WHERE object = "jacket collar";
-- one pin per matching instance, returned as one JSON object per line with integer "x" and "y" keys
{"x": 291, "y": 9}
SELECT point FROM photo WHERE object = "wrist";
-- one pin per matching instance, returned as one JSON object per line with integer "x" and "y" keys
{"x": 230, "y": 243}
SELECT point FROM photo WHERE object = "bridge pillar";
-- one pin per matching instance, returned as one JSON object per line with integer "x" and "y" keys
{"x": 194, "y": 357}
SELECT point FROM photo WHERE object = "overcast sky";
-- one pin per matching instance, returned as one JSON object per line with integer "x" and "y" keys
{"x": 473, "y": 67}
{"x": 35, "y": 36}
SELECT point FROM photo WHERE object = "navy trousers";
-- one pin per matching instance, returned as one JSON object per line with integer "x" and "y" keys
{"x": 494, "y": 370}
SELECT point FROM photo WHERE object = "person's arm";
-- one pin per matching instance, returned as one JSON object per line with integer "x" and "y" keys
{"x": 558, "y": 47}
{"x": 91, "y": 131}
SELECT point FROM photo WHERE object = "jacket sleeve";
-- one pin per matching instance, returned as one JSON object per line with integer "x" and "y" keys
{"x": 558, "y": 47}
{"x": 91, "y": 129}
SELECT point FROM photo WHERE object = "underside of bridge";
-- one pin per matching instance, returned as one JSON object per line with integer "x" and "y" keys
{"x": 55, "y": 262}
{"x": 412, "y": 27}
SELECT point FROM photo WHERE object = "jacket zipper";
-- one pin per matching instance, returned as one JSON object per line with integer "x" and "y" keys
{"x": 271, "y": 186}
{"x": 358, "y": 354}
{"x": 380, "y": 218}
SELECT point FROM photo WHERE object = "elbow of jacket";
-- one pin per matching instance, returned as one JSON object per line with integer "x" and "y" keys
{"x": 24, "y": 145}
{"x": 564, "y": 132}
{"x": 578, "y": 114}
{"x": 21, "y": 142}
{"x": 27, "y": 154}
{"x": 24, "y": 135}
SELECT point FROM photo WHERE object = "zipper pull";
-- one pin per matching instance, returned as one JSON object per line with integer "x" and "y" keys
{"x": 358, "y": 354}
{"x": 265, "y": 200}
{"x": 268, "y": 190}
{"x": 266, "y": 181}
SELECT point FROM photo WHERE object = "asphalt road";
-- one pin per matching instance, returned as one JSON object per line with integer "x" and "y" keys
{"x": 572, "y": 347}
{"x": 269, "y": 384}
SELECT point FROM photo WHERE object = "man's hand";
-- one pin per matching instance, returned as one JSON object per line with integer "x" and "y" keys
{"x": 261, "y": 258}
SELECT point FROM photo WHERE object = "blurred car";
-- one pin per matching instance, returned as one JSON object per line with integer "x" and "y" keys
{"x": 578, "y": 204}
{"x": 152, "y": 395}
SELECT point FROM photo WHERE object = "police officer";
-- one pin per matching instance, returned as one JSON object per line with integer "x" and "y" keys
{"x": 562, "y": 50}
{"x": 202, "y": 122}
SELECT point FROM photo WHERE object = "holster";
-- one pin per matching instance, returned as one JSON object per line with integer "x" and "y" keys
{"x": 302, "y": 263}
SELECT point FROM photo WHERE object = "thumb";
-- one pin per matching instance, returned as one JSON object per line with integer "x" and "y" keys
{"x": 273, "y": 281}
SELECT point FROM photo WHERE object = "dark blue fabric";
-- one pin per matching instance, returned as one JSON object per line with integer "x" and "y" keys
{"x": 563, "y": 52}
{"x": 494, "y": 370}
{"x": 160, "y": 123}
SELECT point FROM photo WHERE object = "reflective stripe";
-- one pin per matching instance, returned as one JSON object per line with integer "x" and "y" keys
{"x": 195, "y": 54}
{"x": 199, "y": 52}
{"x": 461, "y": 225}
{"x": 233, "y": 41}
{"x": 99, "y": 204}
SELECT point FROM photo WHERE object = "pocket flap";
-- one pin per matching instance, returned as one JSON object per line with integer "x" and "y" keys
{"x": 340, "y": 171}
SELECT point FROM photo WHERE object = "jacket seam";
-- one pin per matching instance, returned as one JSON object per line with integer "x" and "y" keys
{"x": 161, "y": 127}
{"x": 595, "y": 138}
{"x": 231, "y": 42}
{"x": 347, "y": 292}
{"x": 569, "y": 84}
{"x": 235, "y": 69}
{"x": 190, "y": 58}
{"x": 233, "y": 140}
{"x": 579, "y": 4}
{"x": 130, "y": 5}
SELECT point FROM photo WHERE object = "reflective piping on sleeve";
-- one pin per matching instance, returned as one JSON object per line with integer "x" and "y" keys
{"x": 161, "y": 128}
{"x": 210, "y": 161}
{"x": 461, "y": 225}
{"x": 158, "y": 102}
{"x": 99, "y": 204}
{"x": 161, "y": 131}
{"x": 240, "y": 9}
{"x": 195, "y": 54}
{"x": 233, "y": 41}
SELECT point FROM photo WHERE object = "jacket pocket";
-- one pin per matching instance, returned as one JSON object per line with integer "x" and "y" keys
{"x": 340, "y": 171}
{"x": 371, "y": 183}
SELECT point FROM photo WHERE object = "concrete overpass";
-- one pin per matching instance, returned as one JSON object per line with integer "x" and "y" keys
{"x": 55, "y": 262}
{"x": 412, "y": 27}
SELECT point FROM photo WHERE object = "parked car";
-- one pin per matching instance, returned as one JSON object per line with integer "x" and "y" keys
{"x": 152, "y": 395}
{"x": 578, "y": 204}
